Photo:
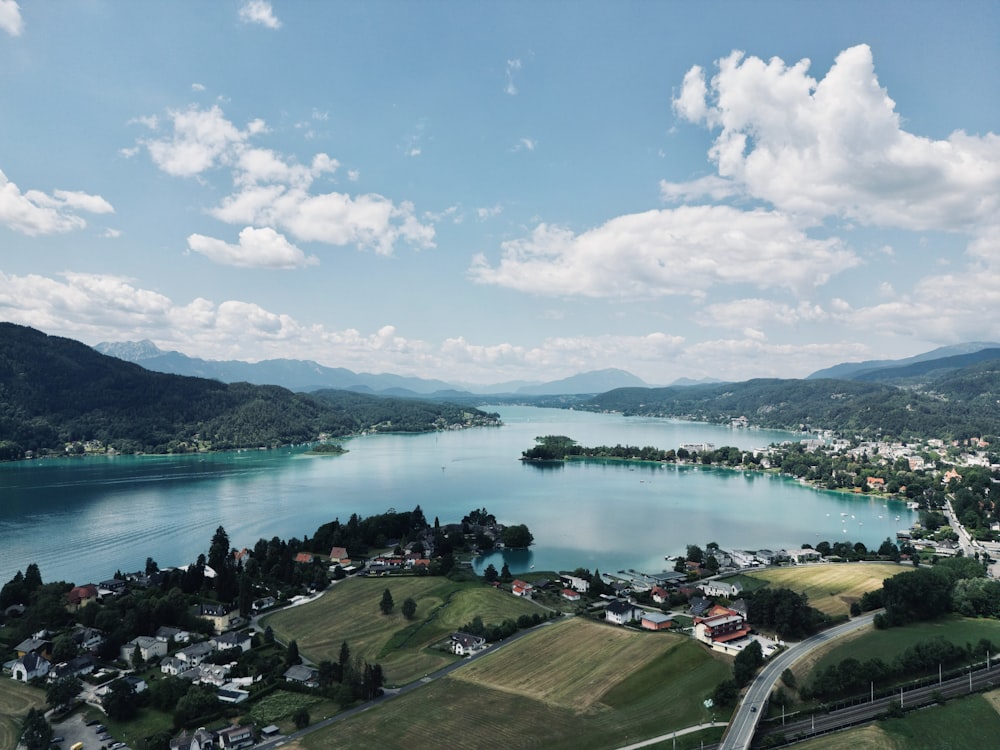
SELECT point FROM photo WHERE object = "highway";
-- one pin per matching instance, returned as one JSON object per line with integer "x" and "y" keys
{"x": 744, "y": 722}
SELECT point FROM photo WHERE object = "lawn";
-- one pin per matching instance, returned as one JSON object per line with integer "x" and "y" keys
{"x": 957, "y": 725}
{"x": 278, "y": 707}
{"x": 15, "y": 701}
{"x": 547, "y": 690}
{"x": 831, "y": 588}
{"x": 350, "y": 612}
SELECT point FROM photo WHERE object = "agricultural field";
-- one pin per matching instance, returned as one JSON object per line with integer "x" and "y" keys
{"x": 832, "y": 587}
{"x": 278, "y": 708}
{"x": 888, "y": 644}
{"x": 957, "y": 725}
{"x": 15, "y": 701}
{"x": 350, "y": 612}
{"x": 574, "y": 684}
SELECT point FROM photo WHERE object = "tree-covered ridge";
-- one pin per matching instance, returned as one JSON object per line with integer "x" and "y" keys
{"x": 56, "y": 392}
{"x": 961, "y": 404}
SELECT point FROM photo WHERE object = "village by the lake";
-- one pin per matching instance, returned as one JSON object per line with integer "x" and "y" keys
{"x": 284, "y": 641}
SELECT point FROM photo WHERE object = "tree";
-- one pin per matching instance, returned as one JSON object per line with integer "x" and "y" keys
{"x": 36, "y": 734}
{"x": 490, "y": 574}
{"x": 409, "y": 608}
{"x": 695, "y": 554}
{"x": 268, "y": 635}
{"x": 747, "y": 662}
{"x": 505, "y": 574}
{"x": 292, "y": 654}
{"x": 121, "y": 701}
{"x": 386, "y": 604}
{"x": 301, "y": 717}
{"x": 517, "y": 536}
{"x": 63, "y": 691}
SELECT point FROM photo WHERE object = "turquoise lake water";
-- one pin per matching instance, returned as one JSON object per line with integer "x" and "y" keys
{"x": 83, "y": 519}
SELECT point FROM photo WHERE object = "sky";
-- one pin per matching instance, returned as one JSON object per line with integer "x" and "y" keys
{"x": 488, "y": 192}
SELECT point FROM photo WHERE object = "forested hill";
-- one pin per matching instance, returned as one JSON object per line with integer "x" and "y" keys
{"x": 56, "y": 391}
{"x": 962, "y": 405}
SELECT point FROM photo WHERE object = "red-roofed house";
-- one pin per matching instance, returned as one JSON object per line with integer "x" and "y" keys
{"x": 722, "y": 628}
{"x": 303, "y": 557}
{"x": 522, "y": 588}
{"x": 338, "y": 553}
{"x": 659, "y": 594}
{"x": 570, "y": 595}
{"x": 80, "y": 596}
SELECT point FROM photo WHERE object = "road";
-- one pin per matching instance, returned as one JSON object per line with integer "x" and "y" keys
{"x": 744, "y": 722}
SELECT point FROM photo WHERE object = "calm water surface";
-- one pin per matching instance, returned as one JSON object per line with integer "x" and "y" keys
{"x": 83, "y": 519}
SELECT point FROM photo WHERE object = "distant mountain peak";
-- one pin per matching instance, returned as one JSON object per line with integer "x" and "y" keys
{"x": 130, "y": 351}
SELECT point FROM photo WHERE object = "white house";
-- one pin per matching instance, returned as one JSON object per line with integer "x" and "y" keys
{"x": 149, "y": 648}
{"x": 619, "y": 612}
{"x": 29, "y": 666}
{"x": 800, "y": 556}
{"x": 465, "y": 644}
{"x": 722, "y": 588}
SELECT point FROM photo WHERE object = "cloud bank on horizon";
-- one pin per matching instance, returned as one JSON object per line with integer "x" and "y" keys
{"x": 494, "y": 213}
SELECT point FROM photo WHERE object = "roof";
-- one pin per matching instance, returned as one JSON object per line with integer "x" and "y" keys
{"x": 619, "y": 607}
{"x": 725, "y": 638}
{"x": 656, "y": 617}
{"x": 300, "y": 673}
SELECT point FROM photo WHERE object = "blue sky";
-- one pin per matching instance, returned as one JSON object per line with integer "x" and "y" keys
{"x": 484, "y": 192}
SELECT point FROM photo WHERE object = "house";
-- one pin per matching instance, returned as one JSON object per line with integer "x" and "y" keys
{"x": 34, "y": 645}
{"x": 235, "y": 737}
{"x": 575, "y": 582}
{"x": 112, "y": 586}
{"x": 655, "y": 621}
{"x": 698, "y": 605}
{"x": 465, "y": 644}
{"x": 80, "y": 596}
{"x": 149, "y": 648}
{"x": 197, "y": 740}
{"x": 81, "y": 665}
{"x": 89, "y": 639}
{"x": 229, "y": 693}
{"x": 138, "y": 684}
{"x": 303, "y": 675}
{"x": 232, "y": 639}
{"x": 221, "y": 618}
{"x": 722, "y": 588}
{"x": 173, "y": 666}
{"x": 522, "y": 588}
{"x": 304, "y": 557}
{"x": 339, "y": 554}
{"x": 265, "y": 603}
{"x": 875, "y": 483}
{"x": 166, "y": 633}
{"x": 724, "y": 627}
{"x": 659, "y": 594}
{"x": 214, "y": 674}
{"x": 619, "y": 612}
{"x": 571, "y": 595}
{"x": 806, "y": 555}
{"x": 29, "y": 667}
{"x": 196, "y": 653}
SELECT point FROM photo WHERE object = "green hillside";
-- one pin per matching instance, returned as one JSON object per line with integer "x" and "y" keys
{"x": 56, "y": 392}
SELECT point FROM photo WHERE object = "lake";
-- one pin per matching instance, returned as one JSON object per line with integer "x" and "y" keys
{"x": 81, "y": 519}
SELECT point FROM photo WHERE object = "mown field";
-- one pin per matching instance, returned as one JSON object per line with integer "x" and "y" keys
{"x": 16, "y": 699}
{"x": 888, "y": 644}
{"x": 550, "y": 689}
{"x": 350, "y": 612}
{"x": 831, "y": 588}
{"x": 971, "y": 722}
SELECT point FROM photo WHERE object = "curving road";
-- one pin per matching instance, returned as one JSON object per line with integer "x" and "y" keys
{"x": 744, "y": 722}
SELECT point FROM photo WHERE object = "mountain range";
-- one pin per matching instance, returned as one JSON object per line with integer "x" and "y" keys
{"x": 306, "y": 375}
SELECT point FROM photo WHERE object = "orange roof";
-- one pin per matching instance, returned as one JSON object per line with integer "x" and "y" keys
{"x": 303, "y": 557}
{"x": 731, "y": 636}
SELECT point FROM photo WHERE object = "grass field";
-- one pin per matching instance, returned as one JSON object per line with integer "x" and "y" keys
{"x": 831, "y": 588}
{"x": 278, "y": 707}
{"x": 350, "y": 612}
{"x": 958, "y": 725}
{"x": 889, "y": 643}
{"x": 546, "y": 690}
{"x": 15, "y": 701}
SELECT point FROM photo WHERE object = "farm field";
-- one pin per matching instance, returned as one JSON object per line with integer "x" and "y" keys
{"x": 541, "y": 692}
{"x": 957, "y": 725}
{"x": 888, "y": 644}
{"x": 15, "y": 701}
{"x": 350, "y": 612}
{"x": 831, "y": 587}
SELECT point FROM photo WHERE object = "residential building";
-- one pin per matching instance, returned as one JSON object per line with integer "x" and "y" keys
{"x": 655, "y": 621}
{"x": 303, "y": 675}
{"x": 619, "y": 612}
{"x": 149, "y": 648}
{"x": 465, "y": 644}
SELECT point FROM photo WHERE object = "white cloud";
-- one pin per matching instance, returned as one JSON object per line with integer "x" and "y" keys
{"x": 260, "y": 12}
{"x": 681, "y": 251}
{"x": 353, "y": 175}
{"x": 836, "y": 147}
{"x": 34, "y": 212}
{"x": 488, "y": 212}
{"x": 257, "y": 248}
{"x": 197, "y": 87}
{"x": 737, "y": 314}
{"x": 752, "y": 356}
{"x": 273, "y": 191}
{"x": 113, "y": 234}
{"x": 513, "y": 65}
{"x": 524, "y": 144}
{"x": 709, "y": 186}
{"x": 10, "y": 17}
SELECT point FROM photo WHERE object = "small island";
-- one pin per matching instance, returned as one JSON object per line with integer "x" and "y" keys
{"x": 562, "y": 448}
{"x": 326, "y": 449}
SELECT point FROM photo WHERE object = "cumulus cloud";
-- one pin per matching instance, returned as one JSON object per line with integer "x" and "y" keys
{"x": 271, "y": 190}
{"x": 35, "y": 213}
{"x": 737, "y": 314}
{"x": 259, "y": 12}
{"x": 10, "y": 17}
{"x": 681, "y": 251}
{"x": 257, "y": 248}
{"x": 835, "y": 147}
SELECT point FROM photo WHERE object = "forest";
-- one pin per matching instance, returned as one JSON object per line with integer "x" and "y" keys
{"x": 59, "y": 396}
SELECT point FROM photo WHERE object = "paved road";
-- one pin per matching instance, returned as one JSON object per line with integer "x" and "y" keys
{"x": 744, "y": 722}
